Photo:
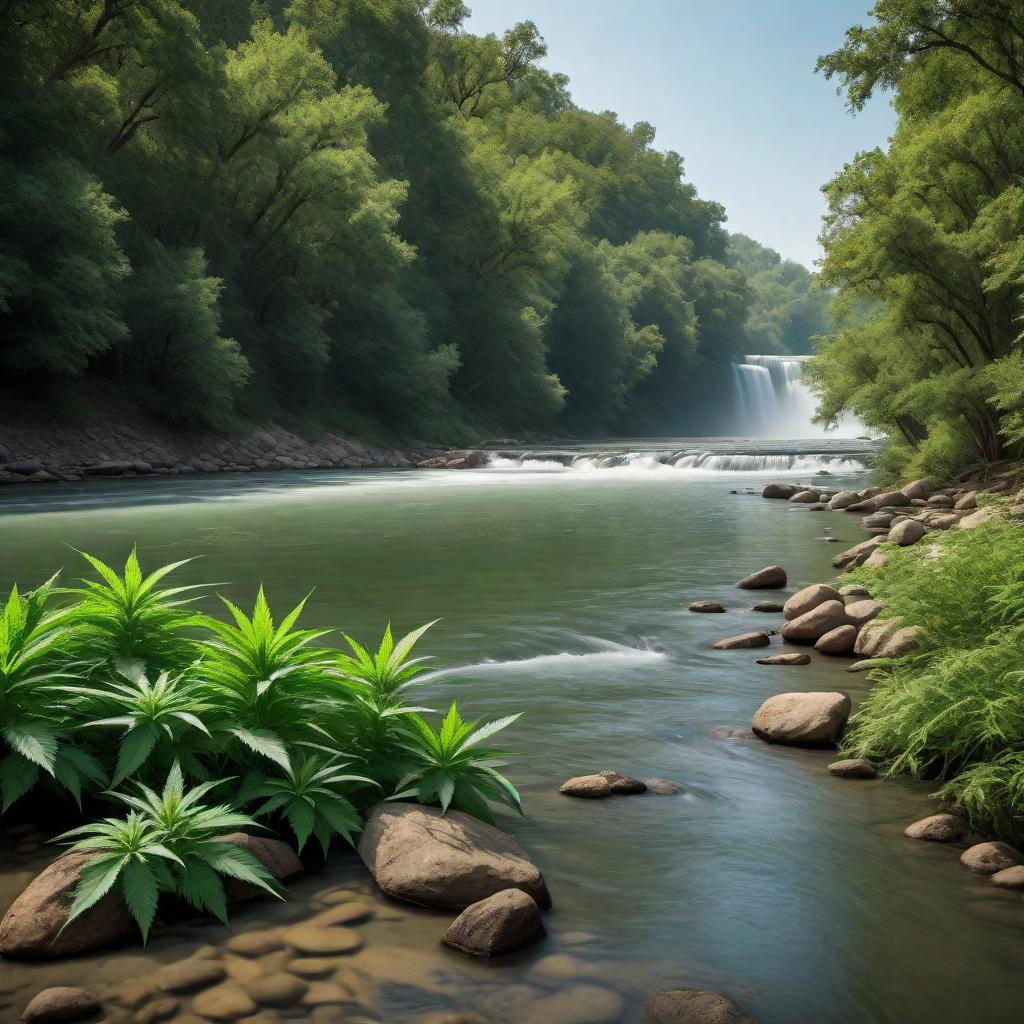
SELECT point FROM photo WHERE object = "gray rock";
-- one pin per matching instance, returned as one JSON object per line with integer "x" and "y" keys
{"x": 501, "y": 923}
{"x": 805, "y": 497}
{"x": 705, "y": 606}
{"x": 918, "y": 488}
{"x": 874, "y": 635}
{"x": 853, "y": 768}
{"x": 664, "y": 787}
{"x": 989, "y": 858}
{"x": 937, "y": 828}
{"x": 60, "y": 1004}
{"x": 587, "y": 787}
{"x": 906, "y": 533}
{"x": 742, "y": 641}
{"x": 941, "y": 501}
{"x": 224, "y": 1002}
{"x": 622, "y": 785}
{"x": 779, "y": 491}
{"x": 25, "y": 467}
{"x": 790, "y": 658}
{"x": 837, "y": 641}
{"x": 844, "y": 499}
{"x": 967, "y": 502}
{"x": 802, "y": 719}
{"x": 689, "y": 1006}
{"x": 771, "y": 577}
{"x": 808, "y": 599}
{"x": 903, "y": 642}
{"x": 189, "y": 975}
{"x": 816, "y": 623}
{"x": 983, "y": 515}
{"x": 859, "y": 613}
{"x": 857, "y": 555}
{"x": 276, "y": 989}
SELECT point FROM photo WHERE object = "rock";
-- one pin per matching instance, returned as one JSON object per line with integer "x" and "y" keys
{"x": 808, "y": 599}
{"x": 32, "y": 926}
{"x": 906, "y": 533}
{"x": 158, "y": 1010}
{"x": 805, "y": 497}
{"x": 816, "y": 623}
{"x": 664, "y": 787}
{"x": 853, "y": 768}
{"x": 772, "y": 577}
{"x": 941, "y": 501}
{"x": 968, "y": 502}
{"x": 877, "y": 560}
{"x": 853, "y": 592}
{"x": 44, "y": 476}
{"x": 501, "y": 923}
{"x": 224, "y": 1002}
{"x": 857, "y": 555}
{"x": 791, "y": 658}
{"x": 837, "y": 641}
{"x": 276, "y": 989}
{"x": 868, "y": 665}
{"x": 25, "y": 467}
{"x": 767, "y": 606}
{"x": 587, "y": 787}
{"x": 779, "y": 491}
{"x": 55, "y": 1005}
{"x": 937, "y": 828}
{"x": 802, "y": 719}
{"x": 860, "y": 613}
{"x": 622, "y": 785}
{"x": 988, "y": 858}
{"x": 918, "y": 488}
{"x": 706, "y": 606}
{"x": 189, "y": 975}
{"x": 344, "y": 913}
{"x": 844, "y": 499}
{"x": 689, "y": 1006}
{"x": 902, "y": 642}
{"x": 874, "y": 635}
{"x": 276, "y": 856}
{"x": 317, "y": 940}
{"x": 452, "y": 860}
{"x": 253, "y": 943}
{"x": 108, "y": 469}
{"x": 580, "y": 1004}
{"x": 742, "y": 640}
{"x": 1009, "y": 878}
{"x": 983, "y": 515}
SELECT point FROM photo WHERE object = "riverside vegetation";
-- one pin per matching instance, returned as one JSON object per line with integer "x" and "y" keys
{"x": 221, "y": 726}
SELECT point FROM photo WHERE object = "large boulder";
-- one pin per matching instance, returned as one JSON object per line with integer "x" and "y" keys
{"x": 904, "y": 641}
{"x": 844, "y": 499}
{"x": 918, "y": 488}
{"x": 780, "y": 490}
{"x": 859, "y": 613}
{"x": 937, "y": 828}
{"x": 857, "y": 555}
{"x": 771, "y": 577}
{"x": 873, "y": 637}
{"x": 587, "y": 787}
{"x": 983, "y": 515}
{"x": 61, "y": 1004}
{"x": 837, "y": 641}
{"x": 906, "y": 533}
{"x": 623, "y": 785}
{"x": 816, "y": 623}
{"x": 988, "y": 858}
{"x": 501, "y": 923}
{"x": 423, "y": 856}
{"x": 32, "y": 926}
{"x": 809, "y": 598}
{"x": 802, "y": 719}
{"x": 967, "y": 502}
{"x": 806, "y": 497}
{"x": 742, "y": 641}
{"x": 689, "y": 1006}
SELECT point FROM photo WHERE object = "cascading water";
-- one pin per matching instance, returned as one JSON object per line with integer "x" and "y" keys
{"x": 772, "y": 400}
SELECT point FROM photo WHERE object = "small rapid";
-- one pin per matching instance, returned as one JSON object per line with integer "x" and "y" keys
{"x": 696, "y": 462}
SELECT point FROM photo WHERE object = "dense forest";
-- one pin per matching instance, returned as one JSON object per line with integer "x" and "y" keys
{"x": 925, "y": 240}
{"x": 355, "y": 212}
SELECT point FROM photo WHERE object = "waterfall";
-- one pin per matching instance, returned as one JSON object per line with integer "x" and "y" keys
{"x": 773, "y": 401}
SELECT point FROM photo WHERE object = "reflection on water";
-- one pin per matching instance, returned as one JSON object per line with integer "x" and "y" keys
{"x": 790, "y": 890}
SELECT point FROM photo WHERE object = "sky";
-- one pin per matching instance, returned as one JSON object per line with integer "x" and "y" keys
{"x": 729, "y": 84}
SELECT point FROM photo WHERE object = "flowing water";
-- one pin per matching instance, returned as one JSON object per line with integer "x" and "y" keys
{"x": 562, "y": 593}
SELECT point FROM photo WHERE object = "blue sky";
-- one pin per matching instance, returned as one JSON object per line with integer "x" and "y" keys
{"x": 729, "y": 84}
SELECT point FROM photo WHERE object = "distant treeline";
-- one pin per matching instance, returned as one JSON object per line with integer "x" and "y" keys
{"x": 354, "y": 211}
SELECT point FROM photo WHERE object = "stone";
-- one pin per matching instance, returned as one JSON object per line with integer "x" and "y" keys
{"x": 690, "y": 1006}
{"x": 767, "y": 606}
{"x": 253, "y": 943}
{"x": 983, "y": 515}
{"x": 937, "y": 828}
{"x": 918, "y": 488}
{"x": 580, "y": 1004}
{"x": 837, "y": 641}
{"x": 967, "y": 502}
{"x": 706, "y": 606}
{"x": 802, "y": 719}
{"x": 189, "y": 975}
{"x": 587, "y": 787}
{"x": 874, "y": 635}
{"x": 318, "y": 940}
{"x": 903, "y": 642}
{"x": 344, "y": 913}
{"x": 623, "y": 785}
{"x": 25, "y": 467}
{"x": 501, "y": 923}
{"x": 422, "y": 856}
{"x": 158, "y": 1010}
{"x": 276, "y": 856}
{"x": 223, "y": 1002}
{"x": 325, "y": 993}
{"x": 941, "y": 501}
{"x": 780, "y": 490}
{"x": 32, "y": 926}
{"x": 111, "y": 468}
{"x": 906, "y": 533}
{"x": 276, "y": 989}
{"x": 868, "y": 665}
{"x": 859, "y": 613}
{"x": 816, "y": 623}
{"x": 853, "y": 768}
{"x": 853, "y": 592}
{"x": 857, "y": 555}
{"x": 808, "y": 599}
{"x": 988, "y": 858}
{"x": 844, "y": 499}
{"x": 771, "y": 577}
{"x": 1009, "y": 878}
{"x": 664, "y": 787}
{"x": 742, "y": 641}
{"x": 59, "y": 1004}
{"x": 790, "y": 658}
{"x": 877, "y": 560}
{"x": 804, "y": 497}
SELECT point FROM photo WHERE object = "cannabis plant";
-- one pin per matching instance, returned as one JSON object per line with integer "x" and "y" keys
{"x": 452, "y": 769}
{"x": 167, "y": 843}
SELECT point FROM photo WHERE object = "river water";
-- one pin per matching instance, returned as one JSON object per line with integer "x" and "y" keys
{"x": 562, "y": 593}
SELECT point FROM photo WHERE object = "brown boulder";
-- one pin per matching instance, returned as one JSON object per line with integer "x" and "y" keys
{"x": 805, "y": 497}
{"x": 988, "y": 858}
{"x": 816, "y": 623}
{"x": 790, "y": 658}
{"x": 967, "y": 502}
{"x": 837, "y": 641}
{"x": 808, "y": 599}
{"x": 874, "y": 635}
{"x": 587, "y": 787}
{"x": 1009, "y": 878}
{"x": 422, "y": 856}
{"x": 60, "y": 1004}
{"x": 859, "y": 613}
{"x": 983, "y": 515}
{"x": 857, "y": 555}
{"x": 906, "y": 533}
{"x": 501, "y": 923}
{"x": 688, "y": 1006}
{"x": 937, "y": 828}
{"x": 780, "y": 490}
{"x": 742, "y": 641}
{"x": 32, "y": 926}
{"x": 622, "y": 785}
{"x": 802, "y": 719}
{"x": 664, "y": 787}
{"x": 902, "y": 642}
{"x": 853, "y": 768}
{"x": 844, "y": 499}
{"x": 918, "y": 488}
{"x": 854, "y": 592}
{"x": 706, "y": 606}
{"x": 771, "y": 577}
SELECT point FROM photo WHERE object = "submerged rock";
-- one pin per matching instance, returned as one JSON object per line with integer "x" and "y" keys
{"x": 790, "y": 658}
{"x": 1009, "y": 878}
{"x": 988, "y": 858}
{"x": 808, "y": 599}
{"x": 705, "y": 606}
{"x": 587, "y": 787}
{"x": 771, "y": 577}
{"x": 768, "y": 606}
{"x": 664, "y": 787}
{"x": 689, "y": 1006}
{"x": 224, "y": 1002}
{"x": 853, "y": 768}
{"x": 622, "y": 785}
{"x": 937, "y": 828}
{"x": 742, "y": 640}
{"x": 504, "y": 922}
{"x": 422, "y": 856}
{"x": 60, "y": 1004}
{"x": 802, "y": 719}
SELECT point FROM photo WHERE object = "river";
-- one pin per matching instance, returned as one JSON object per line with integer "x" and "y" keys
{"x": 561, "y": 593}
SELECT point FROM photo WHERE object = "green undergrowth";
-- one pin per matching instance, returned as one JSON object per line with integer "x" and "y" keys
{"x": 167, "y": 728}
{"x": 954, "y": 712}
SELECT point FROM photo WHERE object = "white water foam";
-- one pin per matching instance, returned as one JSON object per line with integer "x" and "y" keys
{"x": 641, "y": 464}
